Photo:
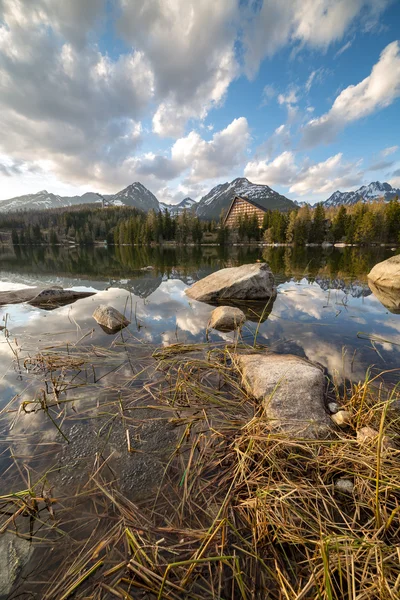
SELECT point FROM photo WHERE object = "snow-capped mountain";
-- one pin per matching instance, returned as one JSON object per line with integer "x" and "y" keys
{"x": 135, "y": 195}
{"x": 44, "y": 199}
{"x": 220, "y": 197}
{"x": 175, "y": 209}
{"x": 366, "y": 193}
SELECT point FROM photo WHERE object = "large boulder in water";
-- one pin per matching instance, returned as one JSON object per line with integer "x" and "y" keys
{"x": 226, "y": 318}
{"x": 291, "y": 390}
{"x": 248, "y": 282}
{"x": 386, "y": 274}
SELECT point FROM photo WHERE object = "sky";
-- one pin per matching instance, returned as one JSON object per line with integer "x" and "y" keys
{"x": 181, "y": 95}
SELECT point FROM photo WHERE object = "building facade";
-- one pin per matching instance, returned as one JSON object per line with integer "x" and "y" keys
{"x": 243, "y": 206}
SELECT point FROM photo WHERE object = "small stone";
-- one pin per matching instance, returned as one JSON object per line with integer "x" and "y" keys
{"x": 333, "y": 407}
{"x": 341, "y": 418}
{"x": 226, "y": 318}
{"x": 345, "y": 486}
{"x": 368, "y": 435}
{"x": 110, "y": 319}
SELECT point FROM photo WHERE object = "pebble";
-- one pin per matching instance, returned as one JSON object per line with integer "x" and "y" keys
{"x": 341, "y": 418}
{"x": 345, "y": 486}
{"x": 333, "y": 407}
{"x": 367, "y": 435}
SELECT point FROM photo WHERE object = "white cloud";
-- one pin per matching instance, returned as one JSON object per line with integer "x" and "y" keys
{"x": 389, "y": 151}
{"x": 190, "y": 46}
{"x": 343, "y": 48}
{"x": 315, "y": 23}
{"x": 376, "y": 91}
{"x": 309, "y": 178}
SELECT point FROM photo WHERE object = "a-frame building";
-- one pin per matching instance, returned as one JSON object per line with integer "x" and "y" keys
{"x": 240, "y": 206}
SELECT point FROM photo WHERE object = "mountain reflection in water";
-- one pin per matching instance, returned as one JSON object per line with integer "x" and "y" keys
{"x": 324, "y": 309}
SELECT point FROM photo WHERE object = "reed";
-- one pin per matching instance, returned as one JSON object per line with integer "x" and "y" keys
{"x": 239, "y": 512}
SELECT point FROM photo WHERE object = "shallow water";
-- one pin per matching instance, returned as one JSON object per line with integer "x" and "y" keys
{"x": 324, "y": 311}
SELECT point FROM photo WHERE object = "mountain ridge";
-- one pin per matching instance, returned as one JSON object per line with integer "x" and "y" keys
{"x": 220, "y": 197}
{"x": 366, "y": 193}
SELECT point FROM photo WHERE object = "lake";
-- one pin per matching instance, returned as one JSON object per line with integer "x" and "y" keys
{"x": 58, "y": 419}
{"x": 324, "y": 309}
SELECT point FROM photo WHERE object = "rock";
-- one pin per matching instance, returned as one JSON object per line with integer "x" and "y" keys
{"x": 248, "y": 282}
{"x": 333, "y": 407}
{"x": 226, "y": 318}
{"x": 109, "y": 318}
{"x": 341, "y": 418}
{"x": 345, "y": 486}
{"x": 54, "y": 297}
{"x": 389, "y": 297}
{"x": 14, "y": 554}
{"x": 386, "y": 274}
{"x": 291, "y": 390}
{"x": 47, "y": 298}
{"x": 369, "y": 435}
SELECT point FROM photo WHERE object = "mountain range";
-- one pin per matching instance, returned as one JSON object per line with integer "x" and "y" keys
{"x": 209, "y": 207}
{"x": 366, "y": 193}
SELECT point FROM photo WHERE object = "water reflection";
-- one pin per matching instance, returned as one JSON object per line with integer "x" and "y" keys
{"x": 323, "y": 301}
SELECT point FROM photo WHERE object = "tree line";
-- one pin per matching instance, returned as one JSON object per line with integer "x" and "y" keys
{"x": 362, "y": 224}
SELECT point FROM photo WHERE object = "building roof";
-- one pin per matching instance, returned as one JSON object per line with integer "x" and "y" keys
{"x": 247, "y": 200}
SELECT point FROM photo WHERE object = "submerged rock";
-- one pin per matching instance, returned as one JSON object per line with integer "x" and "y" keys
{"x": 109, "y": 318}
{"x": 389, "y": 297}
{"x": 248, "y": 282}
{"x": 386, "y": 274}
{"x": 227, "y": 318}
{"x": 291, "y": 390}
{"x": 14, "y": 554}
{"x": 47, "y": 298}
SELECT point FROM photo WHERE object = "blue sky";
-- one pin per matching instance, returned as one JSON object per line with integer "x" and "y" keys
{"x": 302, "y": 95}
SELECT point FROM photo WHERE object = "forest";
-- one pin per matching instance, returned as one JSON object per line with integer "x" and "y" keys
{"x": 363, "y": 224}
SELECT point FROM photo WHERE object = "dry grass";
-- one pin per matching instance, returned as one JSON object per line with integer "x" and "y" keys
{"x": 240, "y": 512}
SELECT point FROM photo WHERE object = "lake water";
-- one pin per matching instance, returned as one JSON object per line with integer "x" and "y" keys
{"x": 324, "y": 311}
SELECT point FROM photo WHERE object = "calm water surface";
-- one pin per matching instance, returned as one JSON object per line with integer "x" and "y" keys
{"x": 324, "y": 310}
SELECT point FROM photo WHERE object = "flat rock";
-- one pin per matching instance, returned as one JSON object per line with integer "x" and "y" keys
{"x": 227, "y": 318}
{"x": 14, "y": 554}
{"x": 47, "y": 298}
{"x": 248, "y": 282}
{"x": 386, "y": 274}
{"x": 109, "y": 318}
{"x": 291, "y": 390}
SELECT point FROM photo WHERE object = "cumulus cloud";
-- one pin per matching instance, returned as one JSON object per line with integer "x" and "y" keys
{"x": 73, "y": 111}
{"x": 308, "y": 178}
{"x": 72, "y": 106}
{"x": 190, "y": 46}
{"x": 313, "y": 23}
{"x": 376, "y": 91}
{"x": 197, "y": 159}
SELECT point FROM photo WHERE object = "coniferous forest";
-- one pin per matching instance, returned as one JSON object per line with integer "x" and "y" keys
{"x": 363, "y": 224}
